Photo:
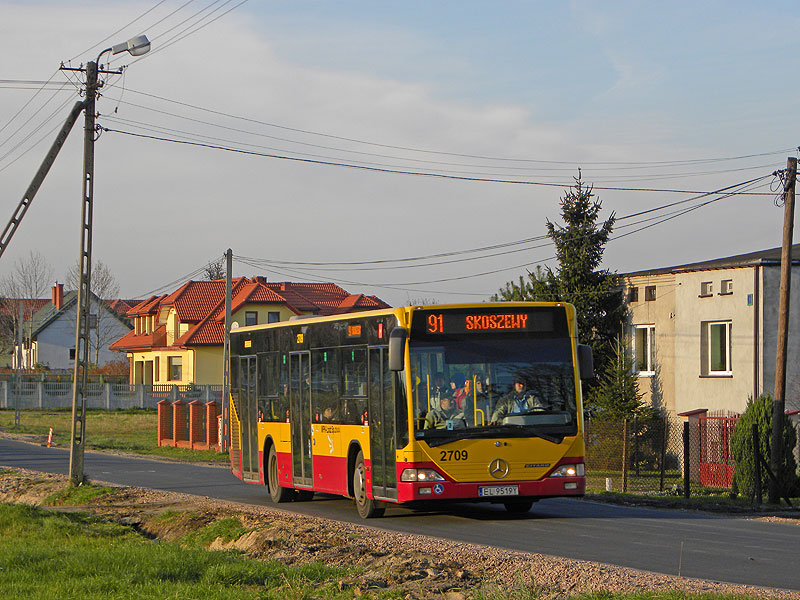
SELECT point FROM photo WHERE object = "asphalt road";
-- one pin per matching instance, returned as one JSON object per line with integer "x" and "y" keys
{"x": 710, "y": 547}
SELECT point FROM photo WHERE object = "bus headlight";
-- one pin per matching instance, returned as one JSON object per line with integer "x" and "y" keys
{"x": 420, "y": 475}
{"x": 576, "y": 470}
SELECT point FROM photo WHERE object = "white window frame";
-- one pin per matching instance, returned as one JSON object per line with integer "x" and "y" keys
{"x": 649, "y": 332}
{"x": 727, "y": 327}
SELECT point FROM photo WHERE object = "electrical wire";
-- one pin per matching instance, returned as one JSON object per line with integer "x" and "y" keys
{"x": 463, "y": 155}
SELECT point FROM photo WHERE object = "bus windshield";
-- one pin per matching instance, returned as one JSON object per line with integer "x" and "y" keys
{"x": 493, "y": 386}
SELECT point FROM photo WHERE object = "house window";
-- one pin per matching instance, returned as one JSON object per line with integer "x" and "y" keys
{"x": 716, "y": 348}
{"x": 157, "y": 372}
{"x": 706, "y": 289}
{"x": 174, "y": 371}
{"x": 72, "y": 353}
{"x": 726, "y": 287}
{"x": 650, "y": 293}
{"x": 273, "y": 317}
{"x": 250, "y": 318}
{"x": 633, "y": 294}
{"x": 644, "y": 349}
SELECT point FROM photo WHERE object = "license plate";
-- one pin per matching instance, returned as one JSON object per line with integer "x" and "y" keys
{"x": 498, "y": 490}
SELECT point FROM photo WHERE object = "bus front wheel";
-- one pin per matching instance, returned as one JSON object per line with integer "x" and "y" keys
{"x": 367, "y": 507}
{"x": 276, "y": 492}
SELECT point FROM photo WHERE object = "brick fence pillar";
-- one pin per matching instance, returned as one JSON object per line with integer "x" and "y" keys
{"x": 212, "y": 412}
{"x": 165, "y": 423}
{"x": 178, "y": 422}
{"x": 196, "y": 422}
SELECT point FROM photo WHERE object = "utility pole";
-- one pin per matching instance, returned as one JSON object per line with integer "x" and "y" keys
{"x": 136, "y": 47}
{"x": 779, "y": 399}
{"x": 84, "y": 292}
{"x": 226, "y": 353}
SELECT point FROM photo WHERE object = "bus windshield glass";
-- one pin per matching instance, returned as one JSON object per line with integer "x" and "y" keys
{"x": 486, "y": 374}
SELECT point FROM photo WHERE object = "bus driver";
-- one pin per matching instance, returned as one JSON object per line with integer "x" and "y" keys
{"x": 517, "y": 401}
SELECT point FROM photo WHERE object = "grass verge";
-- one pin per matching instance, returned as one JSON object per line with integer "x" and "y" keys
{"x": 74, "y": 556}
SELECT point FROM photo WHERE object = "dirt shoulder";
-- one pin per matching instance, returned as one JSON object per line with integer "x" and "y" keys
{"x": 409, "y": 566}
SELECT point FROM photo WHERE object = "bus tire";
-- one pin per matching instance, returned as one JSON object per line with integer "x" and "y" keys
{"x": 366, "y": 506}
{"x": 518, "y": 507}
{"x": 276, "y": 492}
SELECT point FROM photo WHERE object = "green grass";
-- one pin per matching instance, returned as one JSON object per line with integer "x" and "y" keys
{"x": 78, "y": 496}
{"x": 227, "y": 529}
{"x": 133, "y": 430}
{"x": 73, "y": 556}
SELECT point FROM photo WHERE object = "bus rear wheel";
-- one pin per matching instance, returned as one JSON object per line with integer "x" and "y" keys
{"x": 518, "y": 507}
{"x": 367, "y": 507}
{"x": 276, "y": 492}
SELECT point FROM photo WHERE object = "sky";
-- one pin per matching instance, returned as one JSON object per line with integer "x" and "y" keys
{"x": 420, "y": 142}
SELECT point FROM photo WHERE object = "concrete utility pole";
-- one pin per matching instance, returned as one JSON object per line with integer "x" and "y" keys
{"x": 84, "y": 292}
{"x": 226, "y": 354}
{"x": 779, "y": 398}
{"x": 135, "y": 46}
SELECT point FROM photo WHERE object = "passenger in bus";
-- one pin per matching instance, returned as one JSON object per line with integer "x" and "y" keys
{"x": 328, "y": 415}
{"x": 518, "y": 400}
{"x": 437, "y": 418}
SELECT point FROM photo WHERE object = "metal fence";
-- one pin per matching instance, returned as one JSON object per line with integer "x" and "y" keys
{"x": 27, "y": 395}
{"x": 644, "y": 455}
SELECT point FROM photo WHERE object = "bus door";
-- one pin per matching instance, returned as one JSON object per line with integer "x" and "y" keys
{"x": 382, "y": 425}
{"x": 248, "y": 416}
{"x": 300, "y": 407}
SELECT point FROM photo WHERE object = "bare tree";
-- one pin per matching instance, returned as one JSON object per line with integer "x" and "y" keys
{"x": 215, "y": 270}
{"x": 105, "y": 288}
{"x": 28, "y": 281}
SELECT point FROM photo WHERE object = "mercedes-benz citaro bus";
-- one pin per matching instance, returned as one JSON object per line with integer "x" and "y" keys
{"x": 471, "y": 402}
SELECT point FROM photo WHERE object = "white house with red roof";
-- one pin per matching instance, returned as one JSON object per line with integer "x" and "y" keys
{"x": 178, "y": 338}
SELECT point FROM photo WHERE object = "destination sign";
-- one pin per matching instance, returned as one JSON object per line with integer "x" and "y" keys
{"x": 476, "y": 321}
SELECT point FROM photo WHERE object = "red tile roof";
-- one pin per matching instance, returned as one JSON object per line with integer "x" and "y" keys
{"x": 202, "y": 305}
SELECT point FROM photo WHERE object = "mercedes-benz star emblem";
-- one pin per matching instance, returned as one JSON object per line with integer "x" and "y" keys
{"x": 498, "y": 468}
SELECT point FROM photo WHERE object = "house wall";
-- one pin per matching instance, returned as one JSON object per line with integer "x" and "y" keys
{"x": 696, "y": 386}
{"x": 658, "y": 387}
{"x": 208, "y": 364}
{"x": 771, "y": 302}
{"x": 54, "y": 342}
{"x": 263, "y": 313}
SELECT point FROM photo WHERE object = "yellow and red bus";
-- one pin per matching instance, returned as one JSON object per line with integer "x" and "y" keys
{"x": 412, "y": 405}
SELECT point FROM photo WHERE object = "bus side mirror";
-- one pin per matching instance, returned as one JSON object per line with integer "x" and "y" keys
{"x": 397, "y": 348}
{"x": 585, "y": 361}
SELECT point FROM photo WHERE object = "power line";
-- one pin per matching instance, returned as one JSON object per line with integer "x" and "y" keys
{"x": 462, "y": 155}
{"x": 382, "y": 169}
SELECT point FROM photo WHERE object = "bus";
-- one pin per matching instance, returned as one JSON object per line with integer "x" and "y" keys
{"x": 412, "y": 405}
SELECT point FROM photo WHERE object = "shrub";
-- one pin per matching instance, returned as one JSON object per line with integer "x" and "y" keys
{"x": 759, "y": 412}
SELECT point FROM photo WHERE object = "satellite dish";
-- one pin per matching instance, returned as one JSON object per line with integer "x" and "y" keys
{"x": 234, "y": 325}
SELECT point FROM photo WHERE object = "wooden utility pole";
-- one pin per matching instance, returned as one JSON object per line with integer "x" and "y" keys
{"x": 779, "y": 398}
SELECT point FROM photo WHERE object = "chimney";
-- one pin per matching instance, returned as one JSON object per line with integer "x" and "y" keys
{"x": 260, "y": 279}
{"x": 58, "y": 295}
{"x": 283, "y": 287}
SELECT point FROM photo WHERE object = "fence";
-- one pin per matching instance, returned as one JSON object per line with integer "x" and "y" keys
{"x": 644, "y": 455}
{"x": 189, "y": 425}
{"x": 25, "y": 395}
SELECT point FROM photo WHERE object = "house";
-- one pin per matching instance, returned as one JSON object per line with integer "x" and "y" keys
{"x": 49, "y": 333}
{"x": 178, "y": 338}
{"x": 704, "y": 335}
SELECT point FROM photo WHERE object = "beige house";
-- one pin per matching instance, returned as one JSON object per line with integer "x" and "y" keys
{"x": 704, "y": 335}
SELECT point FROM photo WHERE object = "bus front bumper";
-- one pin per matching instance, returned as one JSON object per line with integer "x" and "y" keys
{"x": 491, "y": 491}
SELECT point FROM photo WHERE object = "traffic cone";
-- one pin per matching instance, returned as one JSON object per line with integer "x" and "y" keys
{"x": 50, "y": 438}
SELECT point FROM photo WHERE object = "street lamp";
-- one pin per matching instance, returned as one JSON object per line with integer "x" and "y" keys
{"x": 136, "y": 46}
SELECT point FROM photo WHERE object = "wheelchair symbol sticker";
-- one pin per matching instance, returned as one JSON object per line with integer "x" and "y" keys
{"x": 438, "y": 488}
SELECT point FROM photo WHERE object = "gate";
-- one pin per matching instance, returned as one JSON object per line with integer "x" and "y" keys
{"x": 716, "y": 459}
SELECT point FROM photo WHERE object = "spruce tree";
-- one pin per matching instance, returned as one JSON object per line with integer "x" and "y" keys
{"x": 578, "y": 279}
